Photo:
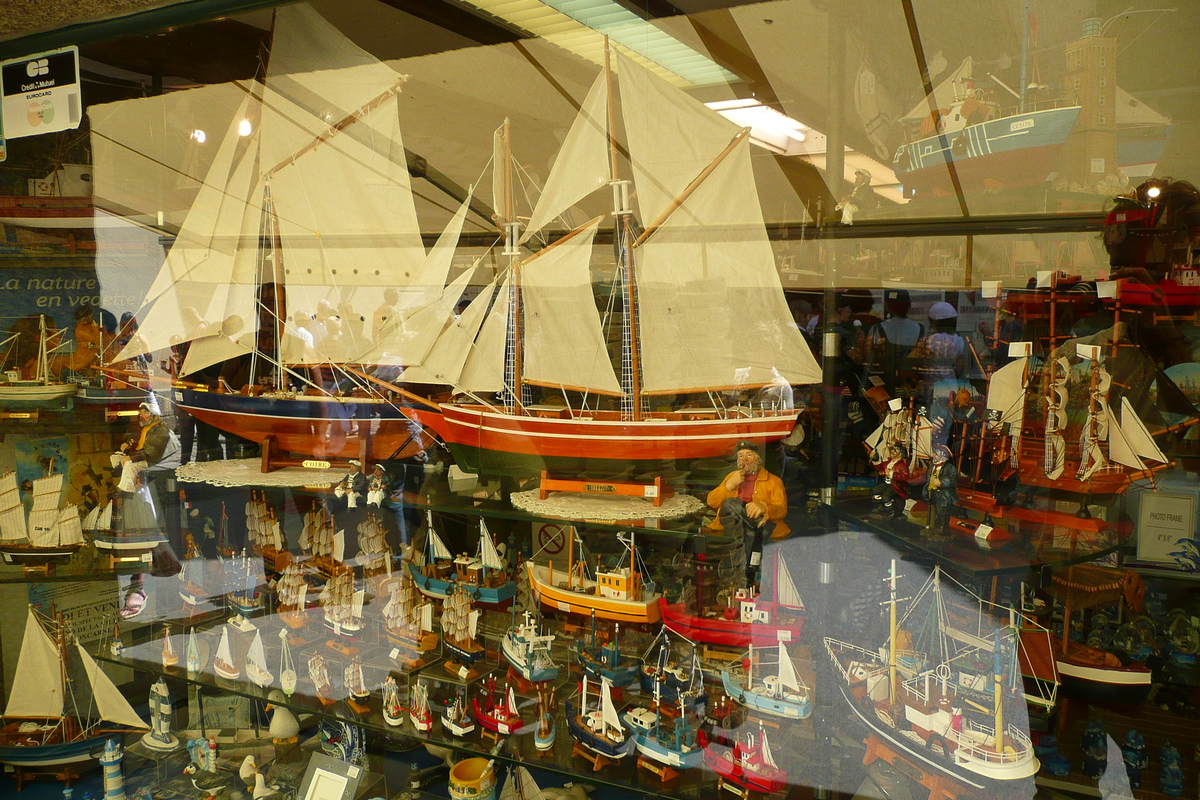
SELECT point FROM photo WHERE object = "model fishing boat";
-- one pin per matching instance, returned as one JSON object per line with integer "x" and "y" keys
{"x": 291, "y": 597}
{"x": 485, "y": 575}
{"x": 356, "y": 686}
{"x": 264, "y": 534}
{"x": 748, "y": 765}
{"x": 170, "y": 658}
{"x": 47, "y": 724}
{"x": 603, "y": 662}
{"x": 50, "y": 533}
{"x": 544, "y": 733}
{"x": 38, "y": 386}
{"x": 498, "y": 713}
{"x": 323, "y": 543}
{"x": 619, "y": 593}
{"x": 342, "y": 605}
{"x": 408, "y": 623}
{"x": 747, "y": 619}
{"x": 460, "y": 629}
{"x": 599, "y": 730}
{"x": 940, "y": 688}
{"x": 223, "y": 664}
{"x": 256, "y": 663}
{"x": 287, "y": 667}
{"x": 433, "y": 570}
{"x": 318, "y": 675}
{"x": 688, "y": 198}
{"x": 671, "y": 745}
{"x": 771, "y": 687}
{"x": 275, "y": 198}
{"x": 1090, "y": 672}
{"x": 393, "y": 709}
{"x": 528, "y": 651}
{"x": 663, "y": 675}
{"x": 457, "y": 718}
{"x": 419, "y": 713}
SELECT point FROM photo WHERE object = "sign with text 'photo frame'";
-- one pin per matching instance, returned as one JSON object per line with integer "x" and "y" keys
{"x": 1164, "y": 519}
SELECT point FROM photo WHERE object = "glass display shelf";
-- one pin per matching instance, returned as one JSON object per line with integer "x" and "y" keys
{"x": 788, "y": 738}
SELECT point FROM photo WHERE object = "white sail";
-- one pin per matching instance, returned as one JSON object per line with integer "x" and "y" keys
{"x": 715, "y": 246}
{"x": 1130, "y": 442}
{"x": 223, "y": 652}
{"x": 787, "y": 670}
{"x": 1006, "y": 391}
{"x": 444, "y": 362}
{"x": 111, "y": 705}
{"x": 12, "y": 512}
{"x": 339, "y": 546}
{"x": 256, "y": 655}
{"x": 564, "y": 344}
{"x": 44, "y": 514}
{"x": 529, "y": 788}
{"x": 487, "y": 549}
{"x": 427, "y": 285}
{"x": 786, "y": 593}
{"x": 582, "y": 164}
{"x": 767, "y": 757}
{"x": 512, "y": 702}
{"x": 68, "y": 529}
{"x": 410, "y": 341}
{"x": 437, "y": 546}
{"x": 607, "y": 710}
{"x": 426, "y": 614}
{"x": 473, "y": 624}
{"x": 37, "y": 683}
{"x": 47, "y": 491}
{"x": 483, "y": 370}
{"x": 356, "y": 602}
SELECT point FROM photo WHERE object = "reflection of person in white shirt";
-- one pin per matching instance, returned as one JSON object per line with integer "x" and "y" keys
{"x": 297, "y": 340}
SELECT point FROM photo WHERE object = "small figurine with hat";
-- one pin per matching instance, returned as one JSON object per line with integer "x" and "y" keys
{"x": 862, "y": 197}
{"x": 750, "y": 502}
{"x": 378, "y": 486}
{"x": 351, "y": 487}
{"x": 941, "y": 491}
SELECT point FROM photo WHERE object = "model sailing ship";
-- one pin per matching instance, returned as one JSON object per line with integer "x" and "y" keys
{"x": 40, "y": 386}
{"x": 256, "y": 663}
{"x": 264, "y": 534}
{"x": 357, "y": 693}
{"x": 528, "y": 651}
{"x": 223, "y": 664}
{"x": 50, "y": 532}
{"x": 485, "y": 576}
{"x": 774, "y": 688}
{"x": 322, "y": 542}
{"x": 419, "y": 713}
{"x": 460, "y": 631}
{"x": 392, "y": 709}
{"x": 747, "y": 619}
{"x": 408, "y": 623}
{"x": 748, "y": 765}
{"x": 342, "y": 605}
{"x": 457, "y": 718}
{"x": 545, "y": 330}
{"x": 291, "y": 597}
{"x": 498, "y": 713}
{"x": 942, "y": 688}
{"x": 243, "y": 576}
{"x": 47, "y": 724}
{"x": 374, "y": 552}
{"x": 318, "y": 676}
{"x": 620, "y": 593}
{"x": 599, "y": 730}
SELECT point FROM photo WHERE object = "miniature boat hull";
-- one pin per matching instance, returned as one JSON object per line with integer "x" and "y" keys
{"x": 728, "y": 632}
{"x": 787, "y": 709}
{"x": 34, "y": 392}
{"x": 550, "y": 596}
{"x": 127, "y": 541}
{"x": 311, "y": 425}
{"x": 48, "y": 755}
{"x": 544, "y": 741}
{"x": 619, "y": 678}
{"x": 459, "y": 727}
{"x": 522, "y": 666}
{"x": 481, "y": 438}
{"x": 495, "y": 722}
{"x": 480, "y": 595}
{"x": 102, "y": 395}
{"x": 463, "y": 654}
{"x": 720, "y": 760}
{"x": 655, "y": 750}
{"x": 597, "y": 744}
{"x": 18, "y": 554}
{"x": 1091, "y": 679}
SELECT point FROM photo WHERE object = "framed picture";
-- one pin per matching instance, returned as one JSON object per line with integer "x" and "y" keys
{"x": 1164, "y": 519}
{"x": 329, "y": 779}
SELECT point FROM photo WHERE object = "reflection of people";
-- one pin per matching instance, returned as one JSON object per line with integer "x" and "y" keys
{"x": 377, "y": 486}
{"x": 351, "y": 486}
{"x": 862, "y": 197}
{"x": 750, "y": 502}
{"x": 941, "y": 490}
{"x": 384, "y": 317}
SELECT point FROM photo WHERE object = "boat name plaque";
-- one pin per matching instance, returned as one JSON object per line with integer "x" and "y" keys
{"x": 605, "y": 488}
{"x": 312, "y": 463}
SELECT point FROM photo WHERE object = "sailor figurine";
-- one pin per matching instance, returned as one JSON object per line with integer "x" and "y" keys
{"x": 378, "y": 486}
{"x": 941, "y": 491}
{"x": 351, "y": 486}
{"x": 891, "y": 494}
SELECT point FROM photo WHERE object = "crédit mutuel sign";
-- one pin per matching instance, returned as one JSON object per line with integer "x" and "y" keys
{"x": 40, "y": 93}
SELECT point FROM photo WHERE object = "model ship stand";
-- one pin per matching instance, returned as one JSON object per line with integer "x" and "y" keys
{"x": 657, "y": 491}
{"x": 941, "y": 787}
{"x": 275, "y": 457}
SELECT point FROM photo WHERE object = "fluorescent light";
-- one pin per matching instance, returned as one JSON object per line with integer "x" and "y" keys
{"x": 769, "y": 128}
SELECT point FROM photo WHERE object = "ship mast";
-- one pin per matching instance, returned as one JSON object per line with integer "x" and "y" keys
{"x": 511, "y": 229}
{"x": 892, "y": 665}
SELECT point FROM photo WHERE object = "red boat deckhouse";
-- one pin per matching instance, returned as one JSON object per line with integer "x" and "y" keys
{"x": 696, "y": 292}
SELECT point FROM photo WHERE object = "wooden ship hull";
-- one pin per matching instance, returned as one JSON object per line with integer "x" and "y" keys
{"x": 584, "y": 604}
{"x": 728, "y": 632}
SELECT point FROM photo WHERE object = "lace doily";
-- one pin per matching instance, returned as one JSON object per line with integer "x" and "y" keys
{"x": 604, "y": 507}
{"x": 247, "y": 472}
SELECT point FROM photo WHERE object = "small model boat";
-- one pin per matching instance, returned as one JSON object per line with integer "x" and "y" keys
{"x": 407, "y": 623}
{"x": 749, "y": 766}
{"x": 223, "y": 660}
{"x": 499, "y": 713}
{"x": 374, "y": 552}
{"x": 256, "y": 663}
{"x": 169, "y": 657}
{"x": 485, "y": 576}
{"x": 528, "y": 651}
{"x": 356, "y": 686}
{"x": 521, "y": 786}
{"x": 674, "y": 745}
{"x": 49, "y": 534}
{"x": 318, "y": 674}
{"x": 605, "y": 662}
{"x": 457, "y": 718}
{"x": 663, "y": 676}
{"x": 192, "y": 654}
{"x": 39, "y": 387}
{"x": 264, "y": 534}
{"x": 393, "y": 710}
{"x": 287, "y": 667}
{"x": 291, "y": 597}
{"x": 243, "y": 575}
{"x": 600, "y": 729}
{"x": 104, "y": 525}
{"x": 618, "y": 594}
{"x": 460, "y": 629}
{"x": 748, "y": 619}
{"x": 544, "y": 733}
{"x": 323, "y": 542}
{"x": 775, "y": 689}
{"x": 419, "y": 713}
{"x": 42, "y": 725}
{"x": 342, "y": 606}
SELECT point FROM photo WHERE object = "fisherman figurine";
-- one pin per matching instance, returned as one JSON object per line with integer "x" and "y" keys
{"x": 378, "y": 486}
{"x": 351, "y": 486}
{"x": 941, "y": 491}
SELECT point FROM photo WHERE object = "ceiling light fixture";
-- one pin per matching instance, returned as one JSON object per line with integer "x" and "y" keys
{"x": 769, "y": 128}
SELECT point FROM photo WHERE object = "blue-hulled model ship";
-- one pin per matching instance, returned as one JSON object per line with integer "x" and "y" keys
{"x": 670, "y": 742}
{"x": 485, "y": 576}
{"x": 662, "y": 673}
{"x": 528, "y": 651}
{"x": 599, "y": 730}
{"x": 771, "y": 688}
{"x": 605, "y": 662}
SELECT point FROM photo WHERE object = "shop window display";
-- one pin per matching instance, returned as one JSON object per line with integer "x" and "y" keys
{"x": 762, "y": 399}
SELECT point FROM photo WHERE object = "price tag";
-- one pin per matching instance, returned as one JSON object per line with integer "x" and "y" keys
{"x": 395, "y": 654}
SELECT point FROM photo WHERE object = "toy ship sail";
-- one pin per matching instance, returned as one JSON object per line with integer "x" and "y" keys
{"x": 702, "y": 264}
{"x": 291, "y": 593}
{"x": 407, "y": 621}
{"x": 374, "y": 553}
{"x": 61, "y": 690}
{"x": 49, "y": 529}
{"x": 342, "y": 604}
{"x": 460, "y": 626}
